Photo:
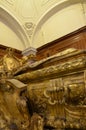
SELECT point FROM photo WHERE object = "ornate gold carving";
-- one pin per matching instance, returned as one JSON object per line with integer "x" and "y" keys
{"x": 36, "y": 122}
{"x": 75, "y": 94}
{"x": 53, "y": 96}
{"x": 54, "y": 71}
{"x": 53, "y": 93}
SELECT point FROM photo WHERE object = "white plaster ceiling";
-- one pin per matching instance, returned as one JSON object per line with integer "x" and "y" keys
{"x": 26, "y": 17}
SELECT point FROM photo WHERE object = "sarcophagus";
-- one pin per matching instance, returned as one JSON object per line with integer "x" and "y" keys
{"x": 53, "y": 88}
{"x": 56, "y": 89}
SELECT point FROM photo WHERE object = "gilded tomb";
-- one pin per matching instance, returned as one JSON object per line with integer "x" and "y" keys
{"x": 45, "y": 95}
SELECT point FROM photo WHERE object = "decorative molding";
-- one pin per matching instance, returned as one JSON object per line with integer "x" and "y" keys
{"x": 29, "y": 51}
{"x": 44, "y": 2}
{"x": 50, "y": 12}
{"x": 75, "y": 39}
{"x": 26, "y": 10}
{"x": 30, "y": 54}
{"x": 14, "y": 25}
{"x": 4, "y": 48}
{"x": 10, "y": 5}
{"x": 10, "y": 1}
{"x": 29, "y": 27}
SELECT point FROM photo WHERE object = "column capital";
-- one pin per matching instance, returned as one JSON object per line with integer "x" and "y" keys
{"x": 30, "y": 52}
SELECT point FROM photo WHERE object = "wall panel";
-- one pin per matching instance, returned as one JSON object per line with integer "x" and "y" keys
{"x": 76, "y": 39}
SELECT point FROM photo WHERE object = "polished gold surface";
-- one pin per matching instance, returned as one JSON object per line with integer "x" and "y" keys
{"x": 41, "y": 95}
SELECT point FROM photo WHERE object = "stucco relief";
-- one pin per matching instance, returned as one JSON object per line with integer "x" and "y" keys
{"x": 10, "y": 2}
{"x": 29, "y": 27}
{"x": 9, "y": 5}
{"x": 26, "y": 9}
{"x": 43, "y": 2}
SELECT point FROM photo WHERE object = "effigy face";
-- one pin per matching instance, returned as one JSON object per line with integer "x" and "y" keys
{"x": 49, "y": 94}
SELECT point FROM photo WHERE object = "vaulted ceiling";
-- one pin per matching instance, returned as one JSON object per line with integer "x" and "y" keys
{"x": 25, "y": 23}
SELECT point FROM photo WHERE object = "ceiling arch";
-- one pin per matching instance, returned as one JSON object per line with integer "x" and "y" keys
{"x": 54, "y": 9}
{"x": 9, "y": 20}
